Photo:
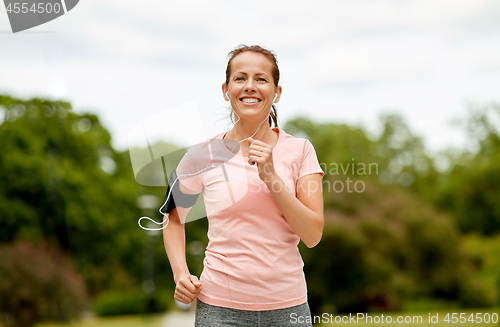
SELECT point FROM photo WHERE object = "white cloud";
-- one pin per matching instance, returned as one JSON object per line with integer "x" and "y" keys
{"x": 343, "y": 60}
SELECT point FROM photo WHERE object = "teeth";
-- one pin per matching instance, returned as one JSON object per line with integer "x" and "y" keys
{"x": 250, "y": 100}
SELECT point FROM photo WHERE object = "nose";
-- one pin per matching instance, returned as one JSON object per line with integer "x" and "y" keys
{"x": 250, "y": 86}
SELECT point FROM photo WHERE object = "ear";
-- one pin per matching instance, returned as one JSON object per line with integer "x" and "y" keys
{"x": 278, "y": 94}
{"x": 224, "y": 90}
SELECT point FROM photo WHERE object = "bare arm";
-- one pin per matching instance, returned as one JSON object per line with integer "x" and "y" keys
{"x": 303, "y": 212}
{"x": 187, "y": 286}
{"x": 174, "y": 240}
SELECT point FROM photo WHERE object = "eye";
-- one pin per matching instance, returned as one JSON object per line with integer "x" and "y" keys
{"x": 239, "y": 79}
{"x": 261, "y": 79}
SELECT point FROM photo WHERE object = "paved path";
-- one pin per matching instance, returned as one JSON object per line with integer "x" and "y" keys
{"x": 179, "y": 319}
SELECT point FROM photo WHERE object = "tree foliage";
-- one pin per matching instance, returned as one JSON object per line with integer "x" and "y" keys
{"x": 471, "y": 190}
{"x": 62, "y": 181}
{"x": 383, "y": 244}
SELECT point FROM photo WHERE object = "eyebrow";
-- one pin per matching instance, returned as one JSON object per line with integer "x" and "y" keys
{"x": 243, "y": 73}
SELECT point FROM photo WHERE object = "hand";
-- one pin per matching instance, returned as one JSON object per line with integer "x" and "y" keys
{"x": 187, "y": 289}
{"x": 261, "y": 154}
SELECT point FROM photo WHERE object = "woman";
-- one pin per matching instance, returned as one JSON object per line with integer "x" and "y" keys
{"x": 260, "y": 204}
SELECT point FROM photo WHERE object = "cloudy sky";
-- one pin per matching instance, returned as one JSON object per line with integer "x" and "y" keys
{"x": 341, "y": 61}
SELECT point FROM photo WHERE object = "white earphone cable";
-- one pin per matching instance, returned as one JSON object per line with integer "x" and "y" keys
{"x": 166, "y": 219}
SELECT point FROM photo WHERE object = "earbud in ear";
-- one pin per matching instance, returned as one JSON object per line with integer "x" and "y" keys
{"x": 227, "y": 97}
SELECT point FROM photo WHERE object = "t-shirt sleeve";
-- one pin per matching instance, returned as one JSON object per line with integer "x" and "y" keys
{"x": 189, "y": 172}
{"x": 310, "y": 164}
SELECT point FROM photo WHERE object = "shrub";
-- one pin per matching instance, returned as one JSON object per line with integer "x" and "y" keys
{"x": 124, "y": 302}
{"x": 38, "y": 283}
{"x": 384, "y": 246}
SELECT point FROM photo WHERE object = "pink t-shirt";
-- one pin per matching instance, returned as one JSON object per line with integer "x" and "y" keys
{"x": 252, "y": 261}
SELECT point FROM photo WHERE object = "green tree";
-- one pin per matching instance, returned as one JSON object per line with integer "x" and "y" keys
{"x": 62, "y": 181}
{"x": 472, "y": 182}
{"x": 383, "y": 244}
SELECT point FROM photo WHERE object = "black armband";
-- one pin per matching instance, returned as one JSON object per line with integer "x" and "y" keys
{"x": 177, "y": 198}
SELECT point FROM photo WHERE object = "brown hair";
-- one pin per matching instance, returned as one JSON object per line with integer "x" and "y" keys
{"x": 275, "y": 72}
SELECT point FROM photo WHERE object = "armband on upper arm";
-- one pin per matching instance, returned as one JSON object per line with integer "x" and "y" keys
{"x": 177, "y": 198}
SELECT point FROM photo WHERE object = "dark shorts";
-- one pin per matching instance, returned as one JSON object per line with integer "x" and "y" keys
{"x": 213, "y": 316}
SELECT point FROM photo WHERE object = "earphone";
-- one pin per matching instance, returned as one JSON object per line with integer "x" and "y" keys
{"x": 166, "y": 219}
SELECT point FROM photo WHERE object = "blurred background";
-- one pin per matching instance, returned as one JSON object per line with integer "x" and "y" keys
{"x": 400, "y": 99}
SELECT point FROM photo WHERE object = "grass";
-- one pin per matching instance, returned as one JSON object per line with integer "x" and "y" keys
{"x": 120, "y": 321}
{"x": 421, "y": 319}
{"x": 428, "y": 305}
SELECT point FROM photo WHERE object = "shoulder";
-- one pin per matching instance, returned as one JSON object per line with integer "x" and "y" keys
{"x": 204, "y": 146}
{"x": 200, "y": 156}
{"x": 298, "y": 145}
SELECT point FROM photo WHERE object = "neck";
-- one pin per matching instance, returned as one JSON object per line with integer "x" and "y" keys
{"x": 243, "y": 131}
{"x": 258, "y": 131}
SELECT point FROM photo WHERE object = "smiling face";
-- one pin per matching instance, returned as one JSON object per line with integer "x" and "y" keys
{"x": 251, "y": 88}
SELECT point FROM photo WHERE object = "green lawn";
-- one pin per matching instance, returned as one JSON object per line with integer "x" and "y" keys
{"x": 413, "y": 319}
{"x": 421, "y": 319}
{"x": 121, "y": 321}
